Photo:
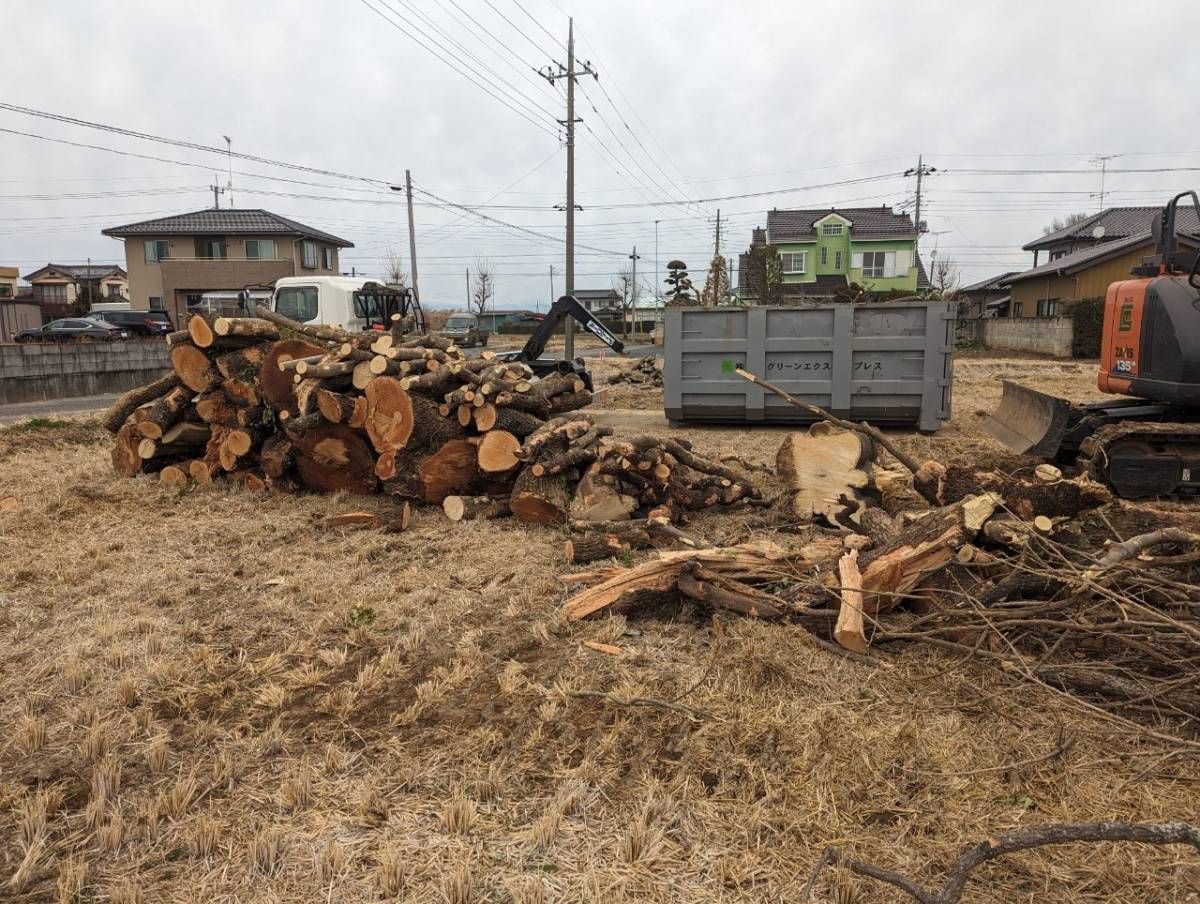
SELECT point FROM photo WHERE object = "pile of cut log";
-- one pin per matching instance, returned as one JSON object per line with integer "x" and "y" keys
{"x": 271, "y": 403}
{"x": 646, "y": 371}
{"x": 1008, "y": 569}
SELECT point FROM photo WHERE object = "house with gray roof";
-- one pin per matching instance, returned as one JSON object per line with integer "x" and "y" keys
{"x": 180, "y": 263}
{"x": 822, "y": 251}
{"x": 1110, "y": 225}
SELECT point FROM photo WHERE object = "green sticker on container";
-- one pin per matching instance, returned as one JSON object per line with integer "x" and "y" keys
{"x": 727, "y": 366}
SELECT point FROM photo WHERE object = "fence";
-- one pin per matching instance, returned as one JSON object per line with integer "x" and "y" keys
{"x": 1042, "y": 335}
{"x": 37, "y": 371}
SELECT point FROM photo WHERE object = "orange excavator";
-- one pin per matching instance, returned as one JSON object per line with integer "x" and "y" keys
{"x": 1148, "y": 443}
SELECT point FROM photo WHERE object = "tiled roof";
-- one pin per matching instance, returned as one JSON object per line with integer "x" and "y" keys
{"x": 225, "y": 222}
{"x": 1118, "y": 223}
{"x": 79, "y": 271}
{"x": 866, "y": 223}
{"x": 597, "y": 294}
{"x": 1085, "y": 257}
{"x": 990, "y": 285}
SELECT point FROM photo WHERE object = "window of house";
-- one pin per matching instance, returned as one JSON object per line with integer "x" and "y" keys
{"x": 1018, "y": 309}
{"x": 5, "y": 290}
{"x": 794, "y": 262}
{"x": 156, "y": 303}
{"x": 327, "y": 258}
{"x": 308, "y": 254}
{"x": 211, "y": 247}
{"x": 1047, "y": 307}
{"x": 837, "y": 261}
{"x": 1055, "y": 255}
{"x": 56, "y": 294}
{"x": 260, "y": 249}
{"x": 824, "y": 255}
{"x": 157, "y": 250}
{"x": 874, "y": 264}
{"x": 113, "y": 290}
{"x": 297, "y": 302}
{"x": 831, "y": 229}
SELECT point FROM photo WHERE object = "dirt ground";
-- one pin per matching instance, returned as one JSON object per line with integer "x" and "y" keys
{"x": 205, "y": 695}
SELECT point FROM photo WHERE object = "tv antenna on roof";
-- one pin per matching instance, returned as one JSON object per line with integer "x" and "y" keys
{"x": 229, "y": 157}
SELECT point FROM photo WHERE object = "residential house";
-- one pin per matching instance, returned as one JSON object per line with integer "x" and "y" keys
{"x": 1091, "y": 262}
{"x": 823, "y": 251}
{"x": 1113, "y": 224}
{"x": 988, "y": 298}
{"x": 57, "y": 287}
{"x": 17, "y": 313}
{"x": 8, "y": 282}
{"x": 175, "y": 261}
{"x": 600, "y": 301}
{"x": 491, "y": 321}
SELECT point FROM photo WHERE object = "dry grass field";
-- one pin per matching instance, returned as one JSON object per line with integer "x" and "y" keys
{"x": 205, "y": 696}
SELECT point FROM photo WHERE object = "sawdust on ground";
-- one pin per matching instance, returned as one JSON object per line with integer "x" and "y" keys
{"x": 206, "y": 696}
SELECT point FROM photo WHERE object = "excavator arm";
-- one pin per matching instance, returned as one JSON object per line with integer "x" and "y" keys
{"x": 566, "y": 306}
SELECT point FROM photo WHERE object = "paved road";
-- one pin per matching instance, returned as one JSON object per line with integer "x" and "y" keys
{"x": 80, "y": 404}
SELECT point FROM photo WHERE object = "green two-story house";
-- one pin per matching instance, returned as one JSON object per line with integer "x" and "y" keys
{"x": 821, "y": 251}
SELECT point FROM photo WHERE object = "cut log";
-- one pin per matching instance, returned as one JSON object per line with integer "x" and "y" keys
{"x": 1025, "y": 498}
{"x": 316, "y": 331}
{"x": 252, "y": 327}
{"x": 398, "y": 419}
{"x": 243, "y": 363}
{"x": 353, "y": 519}
{"x": 187, "y": 433}
{"x": 570, "y": 401}
{"x": 334, "y": 406}
{"x": 519, "y": 423}
{"x": 849, "y": 629}
{"x": 174, "y": 476}
{"x": 164, "y": 412}
{"x": 471, "y": 508}
{"x": 214, "y": 407}
{"x": 276, "y": 386}
{"x": 540, "y": 500}
{"x": 485, "y": 417}
{"x": 597, "y": 500}
{"x": 115, "y": 416}
{"x": 498, "y": 452}
{"x": 152, "y": 448}
{"x": 200, "y": 331}
{"x": 450, "y": 470}
{"x": 248, "y": 481}
{"x": 240, "y": 393}
{"x": 199, "y": 471}
{"x": 333, "y": 457}
{"x": 277, "y": 455}
{"x": 125, "y": 458}
{"x": 826, "y": 469}
{"x": 193, "y": 367}
{"x": 593, "y": 547}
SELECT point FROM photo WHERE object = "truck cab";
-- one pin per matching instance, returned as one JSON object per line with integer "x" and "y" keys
{"x": 355, "y": 304}
{"x": 465, "y": 330}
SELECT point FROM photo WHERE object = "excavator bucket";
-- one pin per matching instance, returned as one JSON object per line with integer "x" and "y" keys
{"x": 1029, "y": 421}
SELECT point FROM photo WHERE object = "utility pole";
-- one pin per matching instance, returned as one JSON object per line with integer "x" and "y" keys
{"x": 657, "y": 284}
{"x": 568, "y": 72}
{"x": 551, "y": 285}
{"x": 717, "y": 249}
{"x": 633, "y": 294}
{"x": 229, "y": 158}
{"x": 468, "y": 269}
{"x": 921, "y": 171}
{"x": 412, "y": 232}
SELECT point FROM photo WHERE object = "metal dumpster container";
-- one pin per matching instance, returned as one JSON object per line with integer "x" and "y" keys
{"x": 889, "y": 363}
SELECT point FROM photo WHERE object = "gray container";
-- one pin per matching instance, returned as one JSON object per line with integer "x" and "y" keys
{"x": 889, "y": 363}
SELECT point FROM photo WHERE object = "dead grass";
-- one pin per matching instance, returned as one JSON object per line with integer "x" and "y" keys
{"x": 191, "y": 710}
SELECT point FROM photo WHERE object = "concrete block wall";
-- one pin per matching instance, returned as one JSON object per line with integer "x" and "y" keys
{"x": 37, "y": 371}
{"x": 1043, "y": 335}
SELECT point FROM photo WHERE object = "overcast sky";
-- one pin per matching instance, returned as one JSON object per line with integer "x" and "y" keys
{"x": 695, "y": 101}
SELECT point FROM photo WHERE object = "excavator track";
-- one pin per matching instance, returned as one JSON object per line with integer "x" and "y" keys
{"x": 1141, "y": 459}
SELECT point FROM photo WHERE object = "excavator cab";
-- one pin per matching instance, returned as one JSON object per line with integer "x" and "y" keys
{"x": 1149, "y": 442}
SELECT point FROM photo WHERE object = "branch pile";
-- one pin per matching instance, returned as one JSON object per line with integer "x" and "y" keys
{"x": 646, "y": 371}
{"x": 271, "y": 403}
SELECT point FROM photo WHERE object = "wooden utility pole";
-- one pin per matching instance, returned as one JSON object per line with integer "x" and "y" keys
{"x": 468, "y": 269}
{"x": 568, "y": 72}
{"x": 920, "y": 171}
{"x": 551, "y": 285}
{"x": 633, "y": 294}
{"x": 412, "y": 237}
{"x": 717, "y": 248}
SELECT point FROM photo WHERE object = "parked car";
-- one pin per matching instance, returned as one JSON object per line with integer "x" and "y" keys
{"x": 136, "y": 323}
{"x": 465, "y": 331}
{"x": 71, "y": 330}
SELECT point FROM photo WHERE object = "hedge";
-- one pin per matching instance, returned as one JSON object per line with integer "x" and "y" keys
{"x": 1087, "y": 323}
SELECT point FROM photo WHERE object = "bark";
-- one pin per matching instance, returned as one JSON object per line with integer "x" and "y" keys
{"x": 334, "y": 406}
{"x": 594, "y": 545}
{"x": 849, "y": 629}
{"x": 1135, "y": 546}
{"x": 214, "y": 407}
{"x": 164, "y": 412}
{"x": 540, "y": 500}
{"x": 251, "y": 327}
{"x": 325, "y": 368}
{"x": 450, "y": 470}
{"x": 247, "y": 480}
{"x": 316, "y": 331}
{"x": 525, "y": 402}
{"x": 125, "y": 458}
{"x": 277, "y": 455}
{"x": 707, "y": 587}
{"x": 115, "y": 416}
{"x": 243, "y": 363}
{"x": 241, "y": 393}
{"x": 570, "y": 401}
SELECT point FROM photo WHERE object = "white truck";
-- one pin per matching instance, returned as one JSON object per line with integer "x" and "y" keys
{"x": 339, "y": 301}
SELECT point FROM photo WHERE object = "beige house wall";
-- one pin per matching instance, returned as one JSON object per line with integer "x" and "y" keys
{"x": 1090, "y": 283}
{"x": 8, "y": 278}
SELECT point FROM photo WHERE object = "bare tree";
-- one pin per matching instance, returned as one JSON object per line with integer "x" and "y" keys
{"x": 483, "y": 285}
{"x": 394, "y": 271}
{"x": 945, "y": 278}
{"x": 716, "y": 283}
{"x": 1069, "y": 220}
{"x": 624, "y": 286}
